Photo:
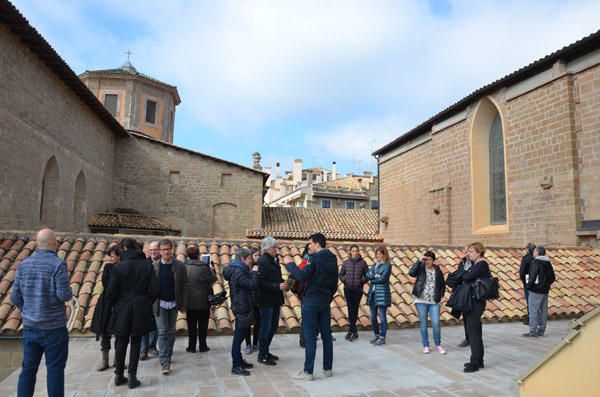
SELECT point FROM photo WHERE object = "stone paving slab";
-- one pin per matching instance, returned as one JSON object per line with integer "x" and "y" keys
{"x": 396, "y": 369}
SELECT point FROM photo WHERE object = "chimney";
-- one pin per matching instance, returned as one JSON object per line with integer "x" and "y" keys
{"x": 277, "y": 168}
{"x": 297, "y": 172}
{"x": 333, "y": 172}
{"x": 256, "y": 161}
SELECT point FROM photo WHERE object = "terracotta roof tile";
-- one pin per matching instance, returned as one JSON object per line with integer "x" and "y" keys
{"x": 131, "y": 222}
{"x": 576, "y": 291}
{"x": 337, "y": 224}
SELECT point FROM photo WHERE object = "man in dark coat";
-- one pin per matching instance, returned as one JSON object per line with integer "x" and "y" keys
{"x": 524, "y": 275}
{"x": 270, "y": 298}
{"x": 541, "y": 277}
{"x": 322, "y": 276}
{"x": 172, "y": 296}
{"x": 132, "y": 290}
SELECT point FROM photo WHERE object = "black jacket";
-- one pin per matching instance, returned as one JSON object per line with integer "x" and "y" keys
{"x": 524, "y": 268}
{"x": 242, "y": 283}
{"x": 418, "y": 270}
{"x": 321, "y": 272}
{"x": 200, "y": 278}
{"x": 102, "y": 310}
{"x": 353, "y": 273}
{"x": 269, "y": 278}
{"x": 541, "y": 275}
{"x": 133, "y": 288}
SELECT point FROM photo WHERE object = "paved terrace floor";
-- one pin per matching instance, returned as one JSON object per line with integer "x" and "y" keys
{"x": 396, "y": 369}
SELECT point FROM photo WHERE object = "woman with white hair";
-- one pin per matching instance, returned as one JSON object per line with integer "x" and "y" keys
{"x": 270, "y": 298}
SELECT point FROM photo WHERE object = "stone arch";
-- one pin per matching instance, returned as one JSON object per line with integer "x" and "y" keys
{"x": 225, "y": 220}
{"x": 80, "y": 203}
{"x": 49, "y": 197}
{"x": 488, "y": 169}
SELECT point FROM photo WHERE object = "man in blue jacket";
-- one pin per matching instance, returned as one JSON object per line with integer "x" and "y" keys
{"x": 321, "y": 273}
{"x": 40, "y": 291}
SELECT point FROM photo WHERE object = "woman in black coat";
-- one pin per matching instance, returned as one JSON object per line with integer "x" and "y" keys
{"x": 131, "y": 292}
{"x": 479, "y": 269}
{"x": 102, "y": 311}
{"x": 242, "y": 283}
{"x": 428, "y": 291}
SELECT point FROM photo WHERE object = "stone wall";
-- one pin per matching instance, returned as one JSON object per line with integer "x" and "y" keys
{"x": 552, "y": 168}
{"x": 202, "y": 196}
{"x": 42, "y": 118}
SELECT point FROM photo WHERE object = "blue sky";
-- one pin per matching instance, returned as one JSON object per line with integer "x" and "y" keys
{"x": 319, "y": 80}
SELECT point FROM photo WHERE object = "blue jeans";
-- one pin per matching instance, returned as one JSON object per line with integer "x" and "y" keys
{"x": 433, "y": 310}
{"x": 316, "y": 316}
{"x": 165, "y": 322}
{"x": 236, "y": 345}
{"x": 52, "y": 343}
{"x": 269, "y": 322}
{"x": 149, "y": 341}
{"x": 381, "y": 310}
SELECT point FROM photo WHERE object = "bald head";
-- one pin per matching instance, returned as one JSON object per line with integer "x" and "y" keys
{"x": 154, "y": 251}
{"x": 46, "y": 238}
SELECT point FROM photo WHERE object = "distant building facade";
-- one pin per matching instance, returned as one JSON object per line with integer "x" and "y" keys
{"x": 516, "y": 161}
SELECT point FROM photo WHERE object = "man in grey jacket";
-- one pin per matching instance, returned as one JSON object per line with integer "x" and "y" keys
{"x": 173, "y": 295}
{"x": 40, "y": 291}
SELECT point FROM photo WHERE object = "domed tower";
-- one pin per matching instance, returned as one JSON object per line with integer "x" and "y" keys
{"x": 139, "y": 102}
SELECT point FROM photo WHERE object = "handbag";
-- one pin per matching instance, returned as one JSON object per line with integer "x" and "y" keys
{"x": 486, "y": 288}
{"x": 216, "y": 299}
{"x": 245, "y": 320}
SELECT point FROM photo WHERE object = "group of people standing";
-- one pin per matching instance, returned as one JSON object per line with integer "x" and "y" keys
{"x": 143, "y": 294}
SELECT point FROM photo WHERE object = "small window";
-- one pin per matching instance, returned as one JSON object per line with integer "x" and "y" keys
{"x": 226, "y": 180}
{"x": 150, "y": 112}
{"x": 325, "y": 203}
{"x": 350, "y": 205}
{"x": 174, "y": 177}
{"x": 374, "y": 204}
{"x": 111, "y": 103}
{"x": 497, "y": 176}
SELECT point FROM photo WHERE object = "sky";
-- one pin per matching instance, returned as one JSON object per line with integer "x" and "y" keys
{"x": 319, "y": 80}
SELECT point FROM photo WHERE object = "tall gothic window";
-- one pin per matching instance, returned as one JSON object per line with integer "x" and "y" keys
{"x": 497, "y": 176}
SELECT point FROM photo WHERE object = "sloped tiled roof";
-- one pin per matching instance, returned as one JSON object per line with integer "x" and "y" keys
{"x": 336, "y": 224}
{"x": 576, "y": 291}
{"x": 131, "y": 221}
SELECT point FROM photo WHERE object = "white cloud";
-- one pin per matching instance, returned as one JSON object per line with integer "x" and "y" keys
{"x": 354, "y": 142}
{"x": 241, "y": 66}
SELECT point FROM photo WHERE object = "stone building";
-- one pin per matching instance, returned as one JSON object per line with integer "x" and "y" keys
{"x": 139, "y": 102}
{"x": 517, "y": 160}
{"x": 65, "y": 158}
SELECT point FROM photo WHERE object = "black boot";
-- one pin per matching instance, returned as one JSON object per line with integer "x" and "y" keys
{"x": 246, "y": 364}
{"x": 133, "y": 381}
{"x": 120, "y": 380}
{"x": 104, "y": 363}
{"x": 239, "y": 371}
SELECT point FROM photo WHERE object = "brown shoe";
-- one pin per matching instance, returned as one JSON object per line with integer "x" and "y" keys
{"x": 349, "y": 336}
{"x": 464, "y": 343}
{"x": 165, "y": 369}
{"x": 143, "y": 356}
{"x": 354, "y": 336}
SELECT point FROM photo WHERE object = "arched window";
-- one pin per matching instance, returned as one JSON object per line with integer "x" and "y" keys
{"x": 79, "y": 203}
{"x": 488, "y": 171}
{"x": 497, "y": 189}
{"x": 49, "y": 199}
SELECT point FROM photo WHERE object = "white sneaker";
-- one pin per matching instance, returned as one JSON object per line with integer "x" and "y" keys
{"x": 426, "y": 350}
{"x": 328, "y": 373}
{"x": 302, "y": 375}
{"x": 440, "y": 349}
